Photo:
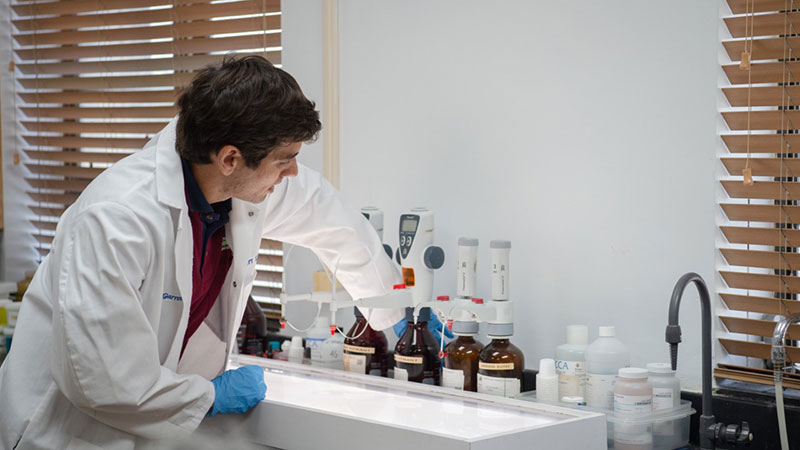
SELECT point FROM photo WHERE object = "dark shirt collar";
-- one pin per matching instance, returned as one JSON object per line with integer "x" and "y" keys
{"x": 197, "y": 201}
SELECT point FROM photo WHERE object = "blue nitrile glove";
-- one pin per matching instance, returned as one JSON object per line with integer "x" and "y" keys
{"x": 236, "y": 391}
{"x": 434, "y": 324}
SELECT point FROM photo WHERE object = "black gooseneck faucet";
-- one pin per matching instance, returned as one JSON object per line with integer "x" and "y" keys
{"x": 712, "y": 433}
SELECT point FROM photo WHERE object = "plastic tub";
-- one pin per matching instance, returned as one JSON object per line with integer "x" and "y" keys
{"x": 669, "y": 427}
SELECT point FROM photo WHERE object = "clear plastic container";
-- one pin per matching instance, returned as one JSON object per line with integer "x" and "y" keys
{"x": 677, "y": 419}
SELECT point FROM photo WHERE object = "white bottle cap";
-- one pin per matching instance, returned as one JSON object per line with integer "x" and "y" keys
{"x": 297, "y": 342}
{"x": 547, "y": 367}
{"x": 659, "y": 368}
{"x": 632, "y": 372}
{"x": 285, "y": 346}
{"x": 577, "y": 334}
{"x": 606, "y": 331}
{"x": 296, "y": 349}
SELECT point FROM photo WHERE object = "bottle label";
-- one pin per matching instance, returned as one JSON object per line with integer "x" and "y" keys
{"x": 326, "y": 352}
{"x": 408, "y": 359}
{"x": 400, "y": 374}
{"x": 453, "y": 378}
{"x": 503, "y": 387}
{"x": 662, "y": 399}
{"x": 314, "y": 342}
{"x": 357, "y": 349}
{"x": 636, "y": 404}
{"x": 600, "y": 390}
{"x": 355, "y": 363}
{"x": 493, "y": 366}
{"x": 571, "y": 378}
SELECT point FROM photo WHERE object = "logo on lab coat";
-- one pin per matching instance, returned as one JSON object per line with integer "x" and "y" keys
{"x": 168, "y": 296}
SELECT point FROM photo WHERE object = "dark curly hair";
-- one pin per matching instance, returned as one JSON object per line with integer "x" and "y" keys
{"x": 245, "y": 102}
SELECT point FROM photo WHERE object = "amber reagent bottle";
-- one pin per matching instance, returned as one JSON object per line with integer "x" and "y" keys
{"x": 461, "y": 358}
{"x": 365, "y": 350}
{"x": 416, "y": 355}
{"x": 500, "y": 367}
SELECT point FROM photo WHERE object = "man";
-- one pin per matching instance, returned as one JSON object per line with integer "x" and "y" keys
{"x": 137, "y": 305}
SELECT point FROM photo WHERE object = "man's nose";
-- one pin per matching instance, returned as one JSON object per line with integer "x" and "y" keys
{"x": 292, "y": 170}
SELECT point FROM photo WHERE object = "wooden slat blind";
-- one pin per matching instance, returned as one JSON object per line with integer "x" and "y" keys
{"x": 763, "y": 213}
{"x": 97, "y": 78}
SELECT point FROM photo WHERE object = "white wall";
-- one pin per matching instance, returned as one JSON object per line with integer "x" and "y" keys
{"x": 583, "y": 132}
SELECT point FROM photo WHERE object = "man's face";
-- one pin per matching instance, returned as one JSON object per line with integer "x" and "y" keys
{"x": 253, "y": 185}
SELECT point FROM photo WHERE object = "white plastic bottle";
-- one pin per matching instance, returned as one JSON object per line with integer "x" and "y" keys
{"x": 296, "y": 349}
{"x": 604, "y": 357}
{"x": 317, "y": 335}
{"x": 666, "y": 386}
{"x": 571, "y": 362}
{"x": 547, "y": 381}
{"x": 633, "y": 397}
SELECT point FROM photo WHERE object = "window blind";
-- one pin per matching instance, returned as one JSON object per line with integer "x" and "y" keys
{"x": 97, "y": 78}
{"x": 762, "y": 184}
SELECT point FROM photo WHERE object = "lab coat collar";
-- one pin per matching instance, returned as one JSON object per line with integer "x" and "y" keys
{"x": 169, "y": 173}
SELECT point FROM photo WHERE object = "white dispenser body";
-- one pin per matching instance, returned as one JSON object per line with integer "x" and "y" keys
{"x": 415, "y": 236}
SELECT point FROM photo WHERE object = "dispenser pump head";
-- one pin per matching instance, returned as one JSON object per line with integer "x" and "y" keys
{"x": 500, "y": 251}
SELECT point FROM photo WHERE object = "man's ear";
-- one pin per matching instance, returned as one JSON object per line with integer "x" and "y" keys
{"x": 228, "y": 159}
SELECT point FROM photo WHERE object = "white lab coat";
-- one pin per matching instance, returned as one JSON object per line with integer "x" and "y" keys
{"x": 95, "y": 359}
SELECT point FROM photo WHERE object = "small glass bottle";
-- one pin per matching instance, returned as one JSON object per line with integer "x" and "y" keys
{"x": 500, "y": 363}
{"x": 252, "y": 330}
{"x": 416, "y": 355}
{"x": 461, "y": 358}
{"x": 365, "y": 350}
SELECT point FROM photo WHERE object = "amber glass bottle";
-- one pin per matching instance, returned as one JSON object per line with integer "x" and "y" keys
{"x": 365, "y": 350}
{"x": 500, "y": 367}
{"x": 416, "y": 355}
{"x": 461, "y": 358}
{"x": 252, "y": 330}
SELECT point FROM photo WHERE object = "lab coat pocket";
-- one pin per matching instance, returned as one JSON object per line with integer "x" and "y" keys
{"x": 79, "y": 444}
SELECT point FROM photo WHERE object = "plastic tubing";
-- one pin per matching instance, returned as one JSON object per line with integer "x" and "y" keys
{"x": 778, "y": 375}
{"x": 332, "y": 279}
{"x": 319, "y": 304}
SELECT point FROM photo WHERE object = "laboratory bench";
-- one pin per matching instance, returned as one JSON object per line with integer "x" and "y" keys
{"x": 733, "y": 402}
{"x": 310, "y": 407}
